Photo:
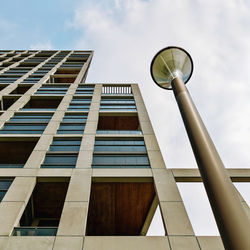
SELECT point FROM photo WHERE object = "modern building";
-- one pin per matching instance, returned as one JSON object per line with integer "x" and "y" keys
{"x": 80, "y": 166}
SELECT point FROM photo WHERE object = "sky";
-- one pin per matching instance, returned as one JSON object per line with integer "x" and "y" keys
{"x": 125, "y": 35}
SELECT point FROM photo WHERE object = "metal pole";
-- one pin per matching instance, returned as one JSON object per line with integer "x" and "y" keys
{"x": 230, "y": 215}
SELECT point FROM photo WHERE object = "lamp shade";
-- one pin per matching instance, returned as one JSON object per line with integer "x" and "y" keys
{"x": 169, "y": 63}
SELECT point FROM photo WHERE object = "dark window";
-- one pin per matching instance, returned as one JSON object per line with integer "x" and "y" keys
{"x": 4, "y": 186}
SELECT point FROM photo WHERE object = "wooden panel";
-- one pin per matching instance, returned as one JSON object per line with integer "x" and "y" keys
{"x": 49, "y": 199}
{"x": 20, "y": 90}
{"x": 15, "y": 152}
{"x": 118, "y": 123}
{"x": 119, "y": 208}
{"x": 64, "y": 79}
{"x": 67, "y": 71}
{"x": 8, "y": 101}
{"x": 44, "y": 103}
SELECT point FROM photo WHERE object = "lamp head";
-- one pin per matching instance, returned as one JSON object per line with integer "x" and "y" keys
{"x": 169, "y": 63}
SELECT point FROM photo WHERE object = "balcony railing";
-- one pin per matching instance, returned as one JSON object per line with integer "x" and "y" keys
{"x": 35, "y": 231}
{"x": 116, "y": 90}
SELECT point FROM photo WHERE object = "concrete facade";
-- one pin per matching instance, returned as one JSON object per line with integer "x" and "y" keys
{"x": 71, "y": 231}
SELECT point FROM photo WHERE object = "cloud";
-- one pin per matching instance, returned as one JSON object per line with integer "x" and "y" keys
{"x": 46, "y": 45}
{"x": 126, "y": 34}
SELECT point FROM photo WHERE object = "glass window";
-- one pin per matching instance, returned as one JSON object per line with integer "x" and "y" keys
{"x": 35, "y": 231}
{"x": 22, "y": 129}
{"x": 31, "y": 117}
{"x": 85, "y": 90}
{"x": 137, "y": 132}
{"x": 120, "y": 161}
{"x": 60, "y": 161}
{"x": 120, "y": 145}
{"x": 118, "y": 104}
{"x": 79, "y": 104}
{"x": 65, "y": 145}
{"x": 71, "y": 128}
{"x": 72, "y": 123}
{"x": 52, "y": 89}
{"x": 4, "y": 186}
{"x": 26, "y": 123}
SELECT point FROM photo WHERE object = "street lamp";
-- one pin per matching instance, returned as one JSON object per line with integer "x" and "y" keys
{"x": 171, "y": 68}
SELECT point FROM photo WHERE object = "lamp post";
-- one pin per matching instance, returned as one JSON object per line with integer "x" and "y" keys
{"x": 171, "y": 68}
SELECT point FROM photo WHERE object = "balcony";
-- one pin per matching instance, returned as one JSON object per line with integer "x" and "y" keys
{"x": 43, "y": 210}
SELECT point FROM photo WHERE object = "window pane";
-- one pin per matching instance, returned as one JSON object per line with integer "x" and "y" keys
{"x": 121, "y": 148}
{"x": 64, "y": 148}
{"x": 66, "y": 142}
{"x": 5, "y": 184}
{"x": 120, "y": 160}
{"x": 60, "y": 160}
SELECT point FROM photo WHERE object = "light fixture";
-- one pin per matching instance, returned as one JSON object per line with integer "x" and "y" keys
{"x": 169, "y": 63}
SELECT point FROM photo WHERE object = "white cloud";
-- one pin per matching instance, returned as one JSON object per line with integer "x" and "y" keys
{"x": 126, "y": 34}
{"x": 46, "y": 45}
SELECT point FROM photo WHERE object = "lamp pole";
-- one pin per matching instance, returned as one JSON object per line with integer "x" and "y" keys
{"x": 230, "y": 215}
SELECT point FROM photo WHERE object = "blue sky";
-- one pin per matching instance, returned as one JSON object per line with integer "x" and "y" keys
{"x": 126, "y": 34}
{"x": 37, "y": 22}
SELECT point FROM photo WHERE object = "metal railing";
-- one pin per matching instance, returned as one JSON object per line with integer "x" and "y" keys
{"x": 117, "y": 90}
{"x": 34, "y": 231}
